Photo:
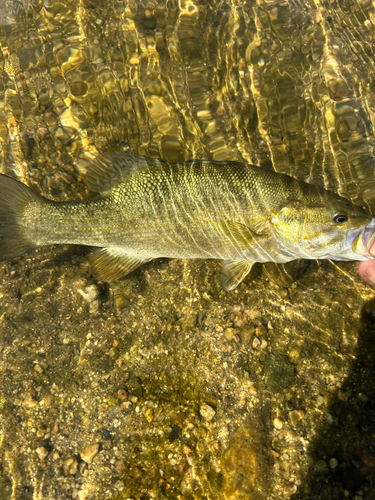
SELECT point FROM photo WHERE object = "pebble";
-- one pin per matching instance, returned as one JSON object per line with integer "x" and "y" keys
{"x": 42, "y": 452}
{"x": 89, "y": 293}
{"x": 333, "y": 463}
{"x": 29, "y": 401}
{"x": 256, "y": 343}
{"x": 94, "y": 306}
{"x": 207, "y": 412}
{"x": 89, "y": 452}
{"x": 70, "y": 466}
{"x": 149, "y": 414}
{"x": 260, "y": 330}
{"x": 291, "y": 489}
{"x": 362, "y": 397}
{"x": 246, "y": 333}
{"x": 277, "y": 423}
{"x": 295, "y": 416}
{"x": 119, "y": 466}
{"x": 319, "y": 400}
{"x": 342, "y": 396}
{"x": 122, "y": 394}
{"x": 321, "y": 466}
{"x": 329, "y": 400}
{"x": 229, "y": 333}
{"x": 38, "y": 368}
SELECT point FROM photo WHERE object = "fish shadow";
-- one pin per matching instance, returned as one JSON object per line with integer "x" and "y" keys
{"x": 343, "y": 453}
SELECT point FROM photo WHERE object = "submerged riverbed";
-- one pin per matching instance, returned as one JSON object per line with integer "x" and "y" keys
{"x": 162, "y": 385}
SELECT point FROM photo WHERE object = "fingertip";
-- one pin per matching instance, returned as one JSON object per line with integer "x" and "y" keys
{"x": 366, "y": 271}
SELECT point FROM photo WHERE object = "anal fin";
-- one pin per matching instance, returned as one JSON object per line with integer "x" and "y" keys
{"x": 110, "y": 264}
{"x": 233, "y": 272}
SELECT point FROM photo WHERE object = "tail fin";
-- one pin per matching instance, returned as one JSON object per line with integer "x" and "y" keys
{"x": 15, "y": 198}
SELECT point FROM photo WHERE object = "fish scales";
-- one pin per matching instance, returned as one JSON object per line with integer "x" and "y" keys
{"x": 146, "y": 208}
{"x": 174, "y": 211}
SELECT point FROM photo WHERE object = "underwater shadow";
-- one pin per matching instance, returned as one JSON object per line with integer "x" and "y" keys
{"x": 343, "y": 453}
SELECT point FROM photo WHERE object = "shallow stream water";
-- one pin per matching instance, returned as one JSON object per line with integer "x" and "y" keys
{"x": 162, "y": 385}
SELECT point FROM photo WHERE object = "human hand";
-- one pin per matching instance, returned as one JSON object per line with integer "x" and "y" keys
{"x": 366, "y": 268}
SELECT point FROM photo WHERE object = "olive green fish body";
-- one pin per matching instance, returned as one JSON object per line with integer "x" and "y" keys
{"x": 146, "y": 208}
{"x": 180, "y": 211}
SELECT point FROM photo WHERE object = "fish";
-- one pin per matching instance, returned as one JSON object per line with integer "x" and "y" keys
{"x": 144, "y": 208}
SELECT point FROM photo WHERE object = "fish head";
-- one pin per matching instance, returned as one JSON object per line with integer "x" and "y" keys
{"x": 324, "y": 225}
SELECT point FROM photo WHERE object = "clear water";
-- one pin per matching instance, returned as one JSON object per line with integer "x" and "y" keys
{"x": 162, "y": 385}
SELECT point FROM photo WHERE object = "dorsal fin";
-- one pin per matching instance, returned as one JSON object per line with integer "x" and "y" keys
{"x": 109, "y": 169}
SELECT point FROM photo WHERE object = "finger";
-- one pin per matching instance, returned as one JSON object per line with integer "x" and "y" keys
{"x": 366, "y": 271}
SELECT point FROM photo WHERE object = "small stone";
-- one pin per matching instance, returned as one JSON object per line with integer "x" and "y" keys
{"x": 70, "y": 466}
{"x": 342, "y": 396}
{"x": 246, "y": 333}
{"x": 89, "y": 452}
{"x": 256, "y": 343}
{"x": 295, "y": 416}
{"x": 333, "y": 463}
{"x": 122, "y": 394}
{"x": 119, "y": 466}
{"x": 89, "y": 293}
{"x": 329, "y": 400}
{"x": 329, "y": 418}
{"x": 133, "y": 399}
{"x": 294, "y": 354}
{"x": 229, "y": 333}
{"x": 46, "y": 401}
{"x": 42, "y": 452}
{"x": 260, "y": 330}
{"x": 111, "y": 401}
{"x": 319, "y": 400}
{"x": 362, "y": 397}
{"x": 149, "y": 414}
{"x": 277, "y": 423}
{"x": 29, "y": 401}
{"x": 369, "y": 460}
{"x": 207, "y": 412}
{"x": 94, "y": 306}
{"x": 38, "y": 368}
{"x": 291, "y": 489}
{"x": 321, "y": 466}
{"x": 82, "y": 467}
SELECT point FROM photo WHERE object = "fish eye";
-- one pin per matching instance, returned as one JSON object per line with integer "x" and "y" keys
{"x": 340, "y": 218}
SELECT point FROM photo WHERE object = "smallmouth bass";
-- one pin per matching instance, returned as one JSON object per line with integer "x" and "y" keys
{"x": 146, "y": 208}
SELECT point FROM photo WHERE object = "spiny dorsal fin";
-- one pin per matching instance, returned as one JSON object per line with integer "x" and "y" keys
{"x": 109, "y": 264}
{"x": 233, "y": 272}
{"x": 109, "y": 169}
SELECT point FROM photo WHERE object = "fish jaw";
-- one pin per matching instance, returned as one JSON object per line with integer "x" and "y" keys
{"x": 360, "y": 241}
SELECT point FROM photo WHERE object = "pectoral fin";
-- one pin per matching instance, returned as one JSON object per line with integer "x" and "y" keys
{"x": 233, "y": 272}
{"x": 110, "y": 264}
{"x": 243, "y": 236}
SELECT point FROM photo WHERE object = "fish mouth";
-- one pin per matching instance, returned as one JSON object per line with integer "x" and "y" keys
{"x": 364, "y": 240}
